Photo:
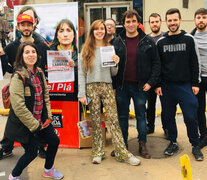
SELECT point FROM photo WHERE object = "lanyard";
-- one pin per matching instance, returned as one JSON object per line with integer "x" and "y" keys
{"x": 84, "y": 111}
{"x": 60, "y": 49}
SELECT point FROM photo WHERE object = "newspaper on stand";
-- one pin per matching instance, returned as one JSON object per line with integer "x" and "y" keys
{"x": 58, "y": 66}
{"x": 106, "y": 56}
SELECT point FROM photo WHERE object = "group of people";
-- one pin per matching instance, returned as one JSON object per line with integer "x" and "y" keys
{"x": 163, "y": 63}
{"x": 30, "y": 117}
{"x": 180, "y": 80}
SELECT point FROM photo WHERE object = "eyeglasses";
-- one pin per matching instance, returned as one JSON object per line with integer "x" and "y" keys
{"x": 110, "y": 25}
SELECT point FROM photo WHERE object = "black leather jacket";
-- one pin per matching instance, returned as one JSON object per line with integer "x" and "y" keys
{"x": 148, "y": 60}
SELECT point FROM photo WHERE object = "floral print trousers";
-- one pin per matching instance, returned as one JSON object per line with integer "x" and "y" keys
{"x": 100, "y": 91}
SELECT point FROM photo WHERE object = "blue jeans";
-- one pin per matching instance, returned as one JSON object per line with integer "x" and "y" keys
{"x": 181, "y": 94}
{"x": 139, "y": 97}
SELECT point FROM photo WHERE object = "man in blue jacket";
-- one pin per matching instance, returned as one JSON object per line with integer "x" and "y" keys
{"x": 179, "y": 82}
{"x": 139, "y": 68}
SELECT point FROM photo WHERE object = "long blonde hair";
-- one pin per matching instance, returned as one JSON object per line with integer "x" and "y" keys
{"x": 88, "y": 50}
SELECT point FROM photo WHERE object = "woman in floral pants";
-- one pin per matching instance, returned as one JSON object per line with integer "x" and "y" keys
{"x": 95, "y": 81}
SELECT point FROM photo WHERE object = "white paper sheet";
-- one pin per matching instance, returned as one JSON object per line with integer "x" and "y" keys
{"x": 58, "y": 66}
{"x": 106, "y": 56}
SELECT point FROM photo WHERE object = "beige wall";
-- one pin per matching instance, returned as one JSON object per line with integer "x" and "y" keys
{"x": 161, "y": 6}
{"x": 46, "y": 1}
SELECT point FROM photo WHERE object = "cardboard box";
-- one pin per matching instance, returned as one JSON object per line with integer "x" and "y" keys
{"x": 88, "y": 141}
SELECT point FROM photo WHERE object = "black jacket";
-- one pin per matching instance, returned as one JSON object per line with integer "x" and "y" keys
{"x": 11, "y": 51}
{"x": 179, "y": 59}
{"x": 193, "y": 31}
{"x": 4, "y": 65}
{"x": 147, "y": 59}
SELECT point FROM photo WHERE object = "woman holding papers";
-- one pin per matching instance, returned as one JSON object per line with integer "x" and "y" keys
{"x": 95, "y": 82}
{"x": 30, "y": 115}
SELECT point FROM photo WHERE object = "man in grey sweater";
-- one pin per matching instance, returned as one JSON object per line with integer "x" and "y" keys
{"x": 200, "y": 35}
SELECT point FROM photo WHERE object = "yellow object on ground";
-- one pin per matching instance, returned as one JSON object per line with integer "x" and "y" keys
{"x": 157, "y": 112}
{"x": 131, "y": 113}
{"x": 185, "y": 167}
{"x": 4, "y": 112}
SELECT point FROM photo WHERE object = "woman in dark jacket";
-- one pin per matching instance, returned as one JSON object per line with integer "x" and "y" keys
{"x": 30, "y": 114}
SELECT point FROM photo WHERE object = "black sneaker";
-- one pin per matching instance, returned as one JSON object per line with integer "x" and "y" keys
{"x": 112, "y": 154}
{"x": 197, "y": 153}
{"x": 4, "y": 154}
{"x": 203, "y": 142}
{"x": 171, "y": 149}
{"x": 150, "y": 130}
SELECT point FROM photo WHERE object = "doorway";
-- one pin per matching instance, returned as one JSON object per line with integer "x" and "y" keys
{"x": 94, "y": 11}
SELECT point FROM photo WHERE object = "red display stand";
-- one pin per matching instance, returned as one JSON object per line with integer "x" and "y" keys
{"x": 65, "y": 112}
{"x": 65, "y": 119}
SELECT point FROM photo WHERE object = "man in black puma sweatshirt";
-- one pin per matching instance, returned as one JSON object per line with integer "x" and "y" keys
{"x": 179, "y": 82}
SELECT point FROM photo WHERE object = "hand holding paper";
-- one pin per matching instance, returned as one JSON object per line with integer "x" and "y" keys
{"x": 71, "y": 63}
{"x": 115, "y": 58}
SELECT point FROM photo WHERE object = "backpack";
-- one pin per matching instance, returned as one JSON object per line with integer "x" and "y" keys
{"x": 6, "y": 94}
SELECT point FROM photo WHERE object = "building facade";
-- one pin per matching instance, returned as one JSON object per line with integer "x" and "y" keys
{"x": 90, "y": 10}
{"x": 186, "y": 7}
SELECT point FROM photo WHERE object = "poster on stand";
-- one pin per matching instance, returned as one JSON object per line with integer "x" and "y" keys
{"x": 59, "y": 69}
{"x": 63, "y": 93}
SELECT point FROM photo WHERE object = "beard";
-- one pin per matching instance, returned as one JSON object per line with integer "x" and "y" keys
{"x": 201, "y": 26}
{"x": 155, "y": 30}
{"x": 177, "y": 27}
{"x": 26, "y": 34}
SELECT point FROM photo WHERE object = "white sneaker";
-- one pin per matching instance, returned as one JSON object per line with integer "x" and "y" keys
{"x": 134, "y": 161}
{"x": 96, "y": 160}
